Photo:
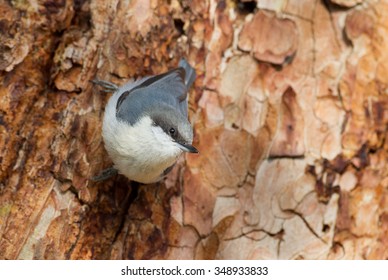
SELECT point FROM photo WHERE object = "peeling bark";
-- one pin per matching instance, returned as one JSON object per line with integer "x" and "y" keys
{"x": 290, "y": 110}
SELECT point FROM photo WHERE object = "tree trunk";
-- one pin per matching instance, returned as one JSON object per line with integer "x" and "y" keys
{"x": 290, "y": 110}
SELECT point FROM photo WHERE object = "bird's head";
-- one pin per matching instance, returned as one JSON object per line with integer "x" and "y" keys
{"x": 172, "y": 129}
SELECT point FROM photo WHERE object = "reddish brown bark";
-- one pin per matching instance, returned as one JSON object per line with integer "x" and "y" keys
{"x": 290, "y": 110}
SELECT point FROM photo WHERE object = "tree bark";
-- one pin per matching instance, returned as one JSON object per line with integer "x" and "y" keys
{"x": 290, "y": 110}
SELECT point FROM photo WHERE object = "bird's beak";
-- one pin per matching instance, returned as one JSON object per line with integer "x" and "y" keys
{"x": 187, "y": 148}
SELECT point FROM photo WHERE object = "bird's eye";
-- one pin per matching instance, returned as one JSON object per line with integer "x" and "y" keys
{"x": 172, "y": 131}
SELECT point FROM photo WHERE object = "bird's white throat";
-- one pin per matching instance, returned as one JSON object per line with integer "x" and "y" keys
{"x": 142, "y": 151}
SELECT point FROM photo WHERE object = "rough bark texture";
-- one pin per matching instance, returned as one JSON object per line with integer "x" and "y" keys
{"x": 290, "y": 110}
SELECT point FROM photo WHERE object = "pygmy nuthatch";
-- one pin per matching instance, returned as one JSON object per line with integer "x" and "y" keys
{"x": 146, "y": 126}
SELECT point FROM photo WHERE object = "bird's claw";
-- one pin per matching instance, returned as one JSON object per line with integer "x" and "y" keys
{"x": 108, "y": 86}
{"x": 105, "y": 174}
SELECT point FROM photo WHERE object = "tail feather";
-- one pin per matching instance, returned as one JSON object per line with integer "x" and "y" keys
{"x": 190, "y": 72}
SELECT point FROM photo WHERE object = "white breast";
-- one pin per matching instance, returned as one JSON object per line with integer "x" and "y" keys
{"x": 140, "y": 152}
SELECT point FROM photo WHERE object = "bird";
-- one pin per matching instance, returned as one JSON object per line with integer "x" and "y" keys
{"x": 146, "y": 127}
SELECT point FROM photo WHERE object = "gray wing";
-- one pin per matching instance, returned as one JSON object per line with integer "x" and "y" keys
{"x": 169, "y": 89}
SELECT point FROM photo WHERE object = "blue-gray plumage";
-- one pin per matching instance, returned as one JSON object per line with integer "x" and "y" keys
{"x": 146, "y": 124}
{"x": 167, "y": 90}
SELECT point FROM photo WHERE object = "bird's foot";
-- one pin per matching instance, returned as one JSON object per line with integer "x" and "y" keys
{"x": 108, "y": 86}
{"x": 105, "y": 174}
